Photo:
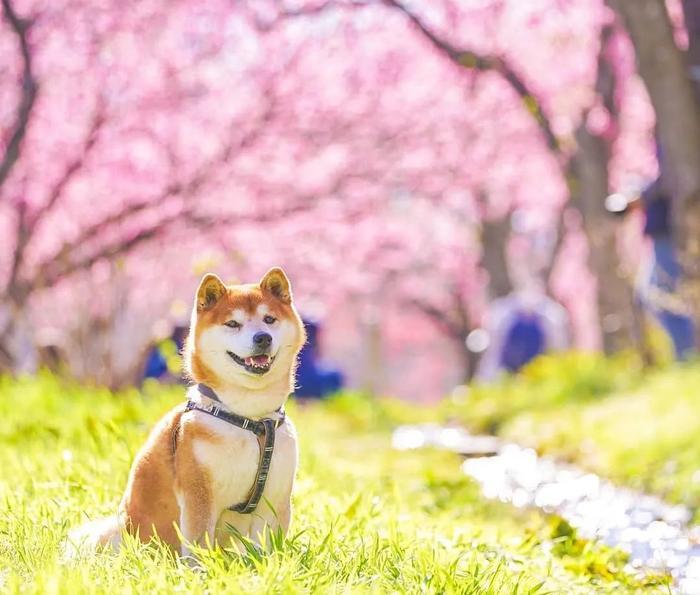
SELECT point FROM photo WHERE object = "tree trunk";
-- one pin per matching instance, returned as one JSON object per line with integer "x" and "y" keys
{"x": 471, "y": 362}
{"x": 372, "y": 381}
{"x": 663, "y": 67}
{"x": 18, "y": 352}
{"x": 615, "y": 295}
{"x": 691, "y": 13}
{"x": 494, "y": 237}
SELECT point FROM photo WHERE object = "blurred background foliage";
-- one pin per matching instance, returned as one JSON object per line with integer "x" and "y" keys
{"x": 421, "y": 171}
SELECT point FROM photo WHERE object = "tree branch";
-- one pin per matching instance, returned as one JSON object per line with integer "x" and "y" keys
{"x": 284, "y": 13}
{"x": 52, "y": 272}
{"x": 473, "y": 60}
{"x": 439, "y": 317}
{"x": 65, "y": 262}
{"x": 461, "y": 57}
{"x": 55, "y": 270}
{"x": 15, "y": 292}
{"x": 30, "y": 88}
{"x": 48, "y": 274}
{"x": 74, "y": 166}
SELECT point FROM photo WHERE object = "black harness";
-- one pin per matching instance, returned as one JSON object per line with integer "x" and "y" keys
{"x": 264, "y": 430}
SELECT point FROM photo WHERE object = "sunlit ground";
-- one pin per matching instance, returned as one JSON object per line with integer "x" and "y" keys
{"x": 639, "y": 429}
{"x": 367, "y": 518}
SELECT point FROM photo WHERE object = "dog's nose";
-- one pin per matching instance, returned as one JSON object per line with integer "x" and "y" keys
{"x": 262, "y": 339}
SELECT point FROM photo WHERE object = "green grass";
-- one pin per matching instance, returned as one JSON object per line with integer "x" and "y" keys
{"x": 640, "y": 429}
{"x": 548, "y": 384}
{"x": 367, "y": 519}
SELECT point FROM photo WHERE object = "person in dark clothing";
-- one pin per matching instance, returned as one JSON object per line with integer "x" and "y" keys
{"x": 179, "y": 336}
{"x": 158, "y": 364}
{"x": 658, "y": 284}
{"x": 521, "y": 326}
{"x": 314, "y": 378}
{"x": 524, "y": 341}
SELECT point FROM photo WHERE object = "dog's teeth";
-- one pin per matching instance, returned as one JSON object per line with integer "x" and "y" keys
{"x": 249, "y": 361}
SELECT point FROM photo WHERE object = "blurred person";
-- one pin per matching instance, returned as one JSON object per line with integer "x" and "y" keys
{"x": 22, "y": 355}
{"x": 179, "y": 336}
{"x": 526, "y": 322}
{"x": 522, "y": 325}
{"x": 155, "y": 365}
{"x": 315, "y": 378}
{"x": 163, "y": 355}
{"x": 660, "y": 275}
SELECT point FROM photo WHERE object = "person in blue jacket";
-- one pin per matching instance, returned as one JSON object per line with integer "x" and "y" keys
{"x": 315, "y": 379}
{"x": 658, "y": 284}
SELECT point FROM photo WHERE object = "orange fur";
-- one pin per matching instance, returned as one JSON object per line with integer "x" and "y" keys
{"x": 244, "y": 297}
{"x": 175, "y": 480}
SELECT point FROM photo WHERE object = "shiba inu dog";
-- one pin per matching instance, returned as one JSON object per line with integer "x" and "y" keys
{"x": 229, "y": 456}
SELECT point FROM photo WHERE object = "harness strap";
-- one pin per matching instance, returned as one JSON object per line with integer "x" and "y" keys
{"x": 267, "y": 447}
{"x": 264, "y": 430}
{"x": 216, "y": 409}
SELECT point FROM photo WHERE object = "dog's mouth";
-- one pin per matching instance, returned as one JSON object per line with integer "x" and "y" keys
{"x": 255, "y": 364}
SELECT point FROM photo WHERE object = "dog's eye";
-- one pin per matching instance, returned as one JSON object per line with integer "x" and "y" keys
{"x": 232, "y": 324}
{"x": 269, "y": 319}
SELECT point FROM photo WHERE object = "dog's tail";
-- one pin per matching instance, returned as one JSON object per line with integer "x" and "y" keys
{"x": 92, "y": 536}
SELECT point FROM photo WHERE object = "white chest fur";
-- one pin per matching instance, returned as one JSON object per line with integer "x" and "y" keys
{"x": 232, "y": 462}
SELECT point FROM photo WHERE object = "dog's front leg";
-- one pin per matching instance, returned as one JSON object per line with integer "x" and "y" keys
{"x": 268, "y": 520}
{"x": 194, "y": 495}
{"x": 197, "y": 521}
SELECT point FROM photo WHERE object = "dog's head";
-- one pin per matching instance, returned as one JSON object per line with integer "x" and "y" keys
{"x": 244, "y": 335}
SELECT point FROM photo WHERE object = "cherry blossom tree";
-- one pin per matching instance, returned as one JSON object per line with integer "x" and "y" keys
{"x": 117, "y": 135}
{"x": 665, "y": 55}
{"x": 583, "y": 154}
{"x": 376, "y": 152}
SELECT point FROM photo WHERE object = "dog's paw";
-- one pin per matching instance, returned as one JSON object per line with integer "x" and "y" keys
{"x": 193, "y": 563}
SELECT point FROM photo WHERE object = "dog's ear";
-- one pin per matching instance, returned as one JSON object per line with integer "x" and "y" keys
{"x": 211, "y": 288}
{"x": 276, "y": 282}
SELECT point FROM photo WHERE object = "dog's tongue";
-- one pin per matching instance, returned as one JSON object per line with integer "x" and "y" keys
{"x": 260, "y": 360}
